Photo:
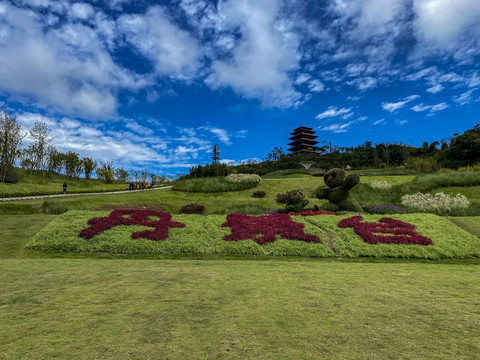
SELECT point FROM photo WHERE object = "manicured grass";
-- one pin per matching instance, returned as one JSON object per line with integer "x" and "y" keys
{"x": 201, "y": 235}
{"x": 211, "y": 185}
{"x": 51, "y": 188}
{"x": 448, "y": 241}
{"x": 204, "y": 235}
{"x": 469, "y": 223}
{"x": 14, "y": 209}
{"x": 16, "y": 230}
{"x": 139, "y": 309}
{"x": 471, "y": 192}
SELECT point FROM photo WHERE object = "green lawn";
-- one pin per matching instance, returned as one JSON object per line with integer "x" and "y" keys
{"x": 103, "y": 306}
{"x": 140, "y": 309}
{"x": 203, "y": 235}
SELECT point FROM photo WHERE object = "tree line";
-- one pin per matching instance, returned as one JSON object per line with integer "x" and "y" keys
{"x": 42, "y": 157}
{"x": 453, "y": 153}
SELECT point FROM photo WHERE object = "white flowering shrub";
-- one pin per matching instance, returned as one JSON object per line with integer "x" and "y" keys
{"x": 243, "y": 178}
{"x": 380, "y": 185}
{"x": 439, "y": 203}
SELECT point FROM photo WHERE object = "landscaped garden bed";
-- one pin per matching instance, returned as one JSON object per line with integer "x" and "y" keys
{"x": 422, "y": 236}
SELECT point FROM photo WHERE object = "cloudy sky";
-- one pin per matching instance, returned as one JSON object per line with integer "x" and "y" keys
{"x": 155, "y": 84}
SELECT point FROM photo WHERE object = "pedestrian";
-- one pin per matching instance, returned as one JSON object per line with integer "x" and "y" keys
{"x": 64, "y": 187}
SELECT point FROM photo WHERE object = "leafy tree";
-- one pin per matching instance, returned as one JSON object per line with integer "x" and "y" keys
{"x": 121, "y": 175}
{"x": 88, "y": 166}
{"x": 10, "y": 141}
{"x": 464, "y": 150}
{"x": 106, "y": 171}
{"x": 54, "y": 159}
{"x": 73, "y": 165}
{"x": 40, "y": 134}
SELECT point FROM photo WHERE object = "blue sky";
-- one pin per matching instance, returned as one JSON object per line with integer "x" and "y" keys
{"x": 155, "y": 84}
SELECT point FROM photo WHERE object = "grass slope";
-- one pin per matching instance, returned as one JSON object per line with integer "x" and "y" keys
{"x": 140, "y": 309}
{"x": 204, "y": 235}
{"x": 448, "y": 241}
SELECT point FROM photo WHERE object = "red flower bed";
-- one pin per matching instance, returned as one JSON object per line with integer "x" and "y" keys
{"x": 133, "y": 217}
{"x": 264, "y": 228}
{"x": 313, "y": 213}
{"x": 400, "y": 232}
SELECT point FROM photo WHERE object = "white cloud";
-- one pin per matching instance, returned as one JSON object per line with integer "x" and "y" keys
{"x": 67, "y": 68}
{"x": 316, "y": 86}
{"x": 333, "y": 112}
{"x": 378, "y": 122}
{"x": 82, "y": 11}
{"x": 398, "y": 105}
{"x": 137, "y": 128}
{"x": 435, "y": 89}
{"x": 222, "y": 135}
{"x": 431, "y": 108}
{"x": 337, "y": 128}
{"x": 364, "y": 83}
{"x": 260, "y": 63}
{"x": 172, "y": 50}
{"x": 464, "y": 98}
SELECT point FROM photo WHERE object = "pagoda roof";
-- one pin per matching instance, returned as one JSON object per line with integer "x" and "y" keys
{"x": 303, "y": 135}
{"x": 303, "y": 128}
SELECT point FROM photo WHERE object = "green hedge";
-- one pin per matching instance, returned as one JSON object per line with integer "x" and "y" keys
{"x": 211, "y": 185}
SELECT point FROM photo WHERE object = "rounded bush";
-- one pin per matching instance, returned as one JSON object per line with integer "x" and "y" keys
{"x": 318, "y": 173}
{"x": 192, "y": 209}
{"x": 387, "y": 209}
{"x": 259, "y": 194}
{"x": 282, "y": 198}
{"x": 334, "y": 177}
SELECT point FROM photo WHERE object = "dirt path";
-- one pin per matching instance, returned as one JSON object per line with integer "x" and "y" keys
{"x": 79, "y": 194}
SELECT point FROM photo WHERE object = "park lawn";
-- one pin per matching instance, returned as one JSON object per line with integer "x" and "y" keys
{"x": 471, "y": 192}
{"x": 448, "y": 241}
{"x": 203, "y": 235}
{"x": 177, "y": 309}
{"x": 469, "y": 223}
{"x": 55, "y": 187}
{"x": 214, "y": 203}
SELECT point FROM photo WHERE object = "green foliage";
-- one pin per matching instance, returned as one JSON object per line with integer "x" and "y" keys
{"x": 449, "y": 241}
{"x": 337, "y": 194}
{"x": 210, "y": 170}
{"x": 10, "y": 141}
{"x": 244, "y": 178}
{"x": 424, "y": 165}
{"x": 202, "y": 235}
{"x": 192, "y": 209}
{"x": 296, "y": 201}
{"x": 88, "y": 166}
{"x": 106, "y": 171}
{"x": 249, "y": 208}
{"x": 54, "y": 208}
{"x": 211, "y": 185}
{"x": 464, "y": 150}
{"x": 17, "y": 209}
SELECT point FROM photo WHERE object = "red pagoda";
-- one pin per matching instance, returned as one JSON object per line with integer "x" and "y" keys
{"x": 303, "y": 139}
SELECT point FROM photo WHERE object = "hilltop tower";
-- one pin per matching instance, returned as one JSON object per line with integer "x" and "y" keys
{"x": 303, "y": 139}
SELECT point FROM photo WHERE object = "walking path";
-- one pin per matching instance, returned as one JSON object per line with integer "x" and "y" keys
{"x": 80, "y": 194}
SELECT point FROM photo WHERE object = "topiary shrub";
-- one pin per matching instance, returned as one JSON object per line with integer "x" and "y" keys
{"x": 337, "y": 193}
{"x": 318, "y": 173}
{"x": 259, "y": 194}
{"x": 295, "y": 201}
{"x": 192, "y": 209}
{"x": 282, "y": 198}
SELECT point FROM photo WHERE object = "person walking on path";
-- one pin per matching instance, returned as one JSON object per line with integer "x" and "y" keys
{"x": 64, "y": 187}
